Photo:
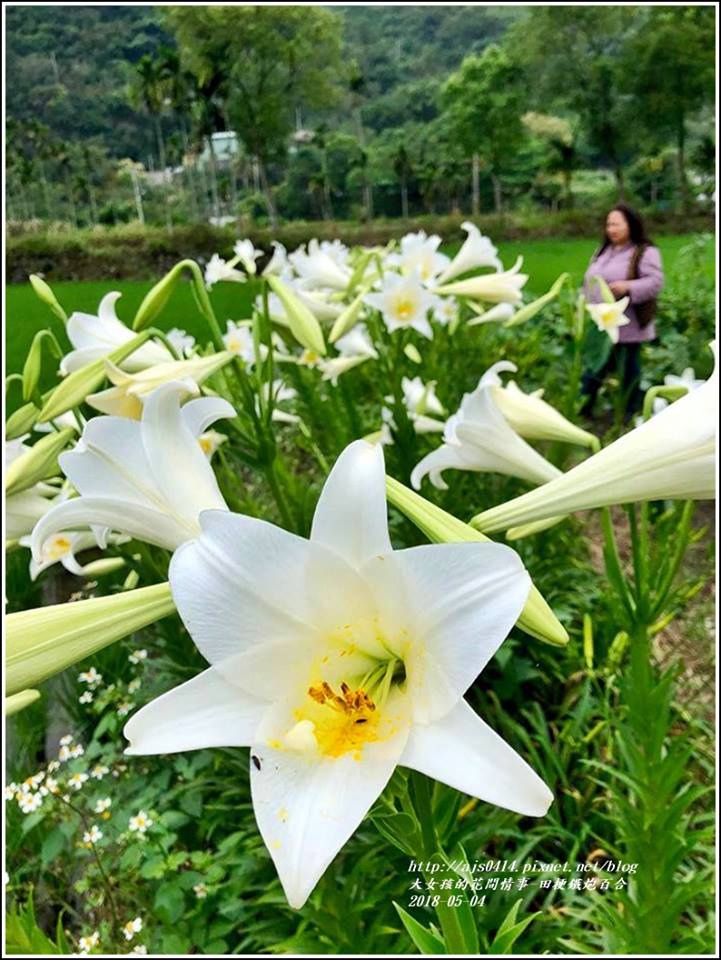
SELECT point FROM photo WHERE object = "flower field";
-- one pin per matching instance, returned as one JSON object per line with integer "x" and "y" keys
{"x": 333, "y": 626}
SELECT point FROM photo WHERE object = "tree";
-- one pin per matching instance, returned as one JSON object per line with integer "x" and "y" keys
{"x": 670, "y": 71}
{"x": 482, "y": 103}
{"x": 147, "y": 90}
{"x": 557, "y": 132}
{"x": 270, "y": 60}
{"x": 570, "y": 58}
{"x": 403, "y": 171}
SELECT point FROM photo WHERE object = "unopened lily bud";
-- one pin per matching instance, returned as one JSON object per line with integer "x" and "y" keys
{"x": 156, "y": 299}
{"x": 617, "y": 649}
{"x": 76, "y": 386}
{"x": 131, "y": 581}
{"x": 535, "y": 306}
{"x": 19, "y": 701}
{"x": 537, "y": 618}
{"x": 303, "y": 324}
{"x": 411, "y": 351}
{"x": 47, "y": 296}
{"x": 21, "y": 421}
{"x": 348, "y": 318}
{"x": 47, "y": 640}
{"x": 102, "y": 567}
{"x": 36, "y": 464}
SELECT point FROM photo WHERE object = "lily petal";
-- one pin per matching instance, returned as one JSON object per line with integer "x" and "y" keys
{"x": 206, "y": 711}
{"x": 351, "y": 517}
{"x": 464, "y": 752}
{"x": 466, "y": 598}
{"x": 308, "y": 806}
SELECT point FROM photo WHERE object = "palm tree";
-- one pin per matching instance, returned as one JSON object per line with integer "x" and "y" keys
{"x": 147, "y": 91}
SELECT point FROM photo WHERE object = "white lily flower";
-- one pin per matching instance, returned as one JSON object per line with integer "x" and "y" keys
{"x": 278, "y": 263}
{"x": 419, "y": 255}
{"x": 337, "y": 251}
{"x": 217, "y": 269}
{"x": 478, "y": 437}
{"x": 529, "y": 415}
{"x": 319, "y": 268}
{"x": 355, "y": 347}
{"x": 246, "y": 253}
{"x": 608, "y": 317}
{"x": 148, "y": 479}
{"x": 131, "y": 390}
{"x": 420, "y": 400}
{"x": 62, "y": 548}
{"x": 669, "y": 457}
{"x": 323, "y": 309}
{"x": 404, "y": 302}
{"x": 502, "y": 287}
{"x": 238, "y": 339}
{"x": 477, "y": 251}
{"x": 210, "y": 441}
{"x": 445, "y": 310}
{"x": 335, "y": 660}
{"x": 181, "y": 341}
{"x": 97, "y": 336}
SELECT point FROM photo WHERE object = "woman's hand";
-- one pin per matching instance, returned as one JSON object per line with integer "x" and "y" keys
{"x": 619, "y": 288}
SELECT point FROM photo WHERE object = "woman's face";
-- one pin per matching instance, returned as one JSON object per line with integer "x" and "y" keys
{"x": 617, "y": 227}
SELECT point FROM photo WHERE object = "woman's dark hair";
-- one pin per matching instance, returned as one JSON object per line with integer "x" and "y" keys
{"x": 636, "y": 228}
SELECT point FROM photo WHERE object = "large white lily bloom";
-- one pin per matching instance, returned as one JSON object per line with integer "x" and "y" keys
{"x": 478, "y": 437}
{"x": 404, "y": 302}
{"x": 419, "y": 255}
{"x": 246, "y": 253}
{"x": 335, "y": 660}
{"x": 148, "y": 479}
{"x": 217, "y": 269}
{"x": 319, "y": 267}
{"x": 609, "y": 317}
{"x": 502, "y": 287}
{"x": 97, "y": 336}
{"x": 669, "y": 457}
{"x": 529, "y": 415}
{"x": 354, "y": 348}
{"x": 129, "y": 391}
{"x": 477, "y": 251}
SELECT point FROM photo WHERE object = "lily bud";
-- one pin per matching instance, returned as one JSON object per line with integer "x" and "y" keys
{"x": 348, "y": 318}
{"x": 411, "y": 351}
{"x": 303, "y": 324}
{"x": 22, "y": 420}
{"x": 47, "y": 296}
{"x": 76, "y": 386}
{"x": 537, "y": 618}
{"x": 156, "y": 299}
{"x": 36, "y": 464}
{"x": 535, "y": 306}
{"x": 44, "y": 641}
{"x": 19, "y": 701}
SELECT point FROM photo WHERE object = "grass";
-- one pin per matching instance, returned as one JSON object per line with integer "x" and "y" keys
{"x": 544, "y": 260}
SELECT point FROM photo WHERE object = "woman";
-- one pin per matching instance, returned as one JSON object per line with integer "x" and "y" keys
{"x": 631, "y": 266}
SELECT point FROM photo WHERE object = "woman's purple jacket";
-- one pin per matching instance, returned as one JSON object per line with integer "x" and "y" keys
{"x": 614, "y": 264}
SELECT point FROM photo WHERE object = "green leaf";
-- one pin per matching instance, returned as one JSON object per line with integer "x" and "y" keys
{"x": 53, "y": 844}
{"x": 169, "y": 902}
{"x": 426, "y": 941}
{"x": 510, "y": 930}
